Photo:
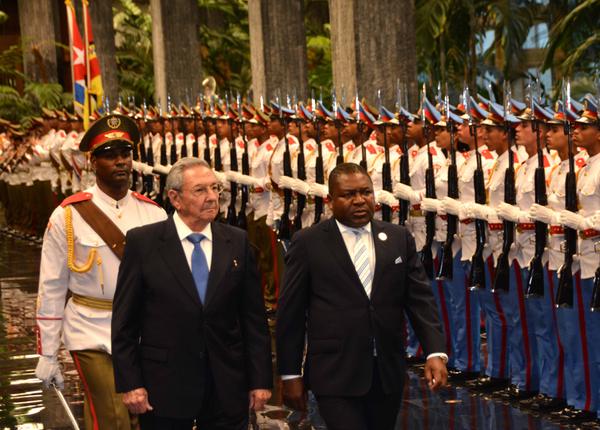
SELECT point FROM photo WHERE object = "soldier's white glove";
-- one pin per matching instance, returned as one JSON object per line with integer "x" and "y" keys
{"x": 286, "y": 182}
{"x": 240, "y": 178}
{"x": 318, "y": 190}
{"x": 48, "y": 370}
{"x": 301, "y": 187}
{"x": 512, "y": 213}
{"x": 479, "y": 211}
{"x": 384, "y": 197}
{"x": 143, "y": 168}
{"x": 431, "y": 205}
{"x": 161, "y": 170}
{"x": 544, "y": 214}
{"x": 221, "y": 177}
{"x": 574, "y": 220}
{"x": 450, "y": 206}
{"x": 405, "y": 192}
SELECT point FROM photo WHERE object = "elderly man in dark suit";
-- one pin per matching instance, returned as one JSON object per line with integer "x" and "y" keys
{"x": 189, "y": 331}
{"x": 348, "y": 282}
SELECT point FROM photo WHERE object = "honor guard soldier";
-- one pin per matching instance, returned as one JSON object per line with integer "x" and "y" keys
{"x": 81, "y": 252}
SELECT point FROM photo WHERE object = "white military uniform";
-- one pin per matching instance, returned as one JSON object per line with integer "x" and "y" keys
{"x": 82, "y": 327}
{"x": 588, "y": 190}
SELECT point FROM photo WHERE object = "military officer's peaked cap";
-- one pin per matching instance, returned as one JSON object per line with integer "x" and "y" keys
{"x": 110, "y": 132}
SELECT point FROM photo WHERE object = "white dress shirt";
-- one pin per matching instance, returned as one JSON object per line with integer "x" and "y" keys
{"x": 183, "y": 231}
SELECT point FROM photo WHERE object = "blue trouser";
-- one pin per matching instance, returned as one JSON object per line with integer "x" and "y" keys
{"x": 591, "y": 324}
{"x": 524, "y": 372}
{"x": 465, "y": 317}
{"x": 550, "y": 359}
{"x": 444, "y": 302}
{"x": 496, "y": 327}
{"x": 574, "y": 340}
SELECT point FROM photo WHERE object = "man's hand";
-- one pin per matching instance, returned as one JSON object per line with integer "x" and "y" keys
{"x": 48, "y": 370}
{"x": 258, "y": 399}
{"x": 436, "y": 373}
{"x": 137, "y": 401}
{"x": 294, "y": 394}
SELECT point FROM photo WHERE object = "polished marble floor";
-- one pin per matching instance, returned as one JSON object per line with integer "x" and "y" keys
{"x": 24, "y": 404}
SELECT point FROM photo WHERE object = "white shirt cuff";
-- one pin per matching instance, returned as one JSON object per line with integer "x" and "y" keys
{"x": 288, "y": 377}
{"x": 443, "y": 356}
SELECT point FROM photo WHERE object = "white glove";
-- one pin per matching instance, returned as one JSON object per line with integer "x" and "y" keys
{"x": 318, "y": 190}
{"x": 512, "y": 213}
{"x": 221, "y": 177}
{"x": 286, "y": 182}
{"x": 594, "y": 221}
{"x": 301, "y": 187}
{"x": 479, "y": 211}
{"x": 143, "y": 168}
{"x": 431, "y": 205}
{"x": 544, "y": 214}
{"x": 161, "y": 170}
{"x": 385, "y": 198}
{"x": 574, "y": 220}
{"x": 405, "y": 192}
{"x": 451, "y": 206}
{"x": 48, "y": 370}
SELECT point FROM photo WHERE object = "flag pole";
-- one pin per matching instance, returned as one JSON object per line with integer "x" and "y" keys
{"x": 70, "y": 18}
{"x": 88, "y": 104}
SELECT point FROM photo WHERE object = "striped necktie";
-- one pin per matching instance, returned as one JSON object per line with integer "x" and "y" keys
{"x": 360, "y": 259}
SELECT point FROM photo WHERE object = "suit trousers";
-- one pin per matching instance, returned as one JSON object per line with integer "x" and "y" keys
{"x": 376, "y": 410}
{"x": 211, "y": 416}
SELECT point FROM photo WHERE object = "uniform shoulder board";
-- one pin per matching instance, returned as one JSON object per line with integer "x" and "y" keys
{"x": 580, "y": 162}
{"x": 432, "y": 150}
{"x": 487, "y": 154}
{"x": 330, "y": 146}
{"x": 143, "y": 198}
{"x": 414, "y": 153}
{"x": 269, "y": 147}
{"x": 372, "y": 149}
{"x": 350, "y": 147}
{"x": 310, "y": 147}
{"x": 76, "y": 198}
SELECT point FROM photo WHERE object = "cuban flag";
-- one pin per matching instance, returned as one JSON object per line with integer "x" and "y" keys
{"x": 78, "y": 65}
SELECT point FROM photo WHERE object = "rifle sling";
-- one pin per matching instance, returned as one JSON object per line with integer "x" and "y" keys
{"x": 103, "y": 225}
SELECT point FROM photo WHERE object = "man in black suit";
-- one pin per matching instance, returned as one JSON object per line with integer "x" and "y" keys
{"x": 348, "y": 281}
{"x": 189, "y": 332}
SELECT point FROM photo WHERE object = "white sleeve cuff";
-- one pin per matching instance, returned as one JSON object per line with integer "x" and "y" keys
{"x": 441, "y": 355}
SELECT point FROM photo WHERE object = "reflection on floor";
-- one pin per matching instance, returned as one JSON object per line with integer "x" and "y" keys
{"x": 24, "y": 404}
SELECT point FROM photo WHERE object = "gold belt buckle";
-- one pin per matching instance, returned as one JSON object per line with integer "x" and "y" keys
{"x": 563, "y": 246}
{"x": 597, "y": 247}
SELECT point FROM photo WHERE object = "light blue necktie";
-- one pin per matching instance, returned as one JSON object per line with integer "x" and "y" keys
{"x": 360, "y": 259}
{"x": 199, "y": 265}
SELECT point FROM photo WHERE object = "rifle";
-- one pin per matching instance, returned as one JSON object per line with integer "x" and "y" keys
{"x": 426, "y": 253}
{"x": 319, "y": 166}
{"x": 233, "y": 166}
{"x": 218, "y": 162}
{"x": 564, "y": 292}
{"x": 301, "y": 174}
{"x": 173, "y": 150}
{"x": 361, "y": 133}
{"x": 404, "y": 167}
{"x": 242, "y": 220}
{"x": 477, "y": 270}
{"x": 502, "y": 278}
{"x": 285, "y": 227}
{"x": 149, "y": 154}
{"x": 338, "y": 125}
{"x": 206, "y": 133}
{"x": 163, "y": 160}
{"x": 195, "y": 149}
{"x": 535, "y": 282}
{"x": 446, "y": 270}
{"x": 386, "y": 170}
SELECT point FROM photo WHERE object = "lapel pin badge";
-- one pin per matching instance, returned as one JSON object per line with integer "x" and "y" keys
{"x": 235, "y": 263}
{"x": 382, "y": 236}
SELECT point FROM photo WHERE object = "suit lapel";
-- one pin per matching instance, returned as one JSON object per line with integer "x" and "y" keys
{"x": 342, "y": 255}
{"x": 172, "y": 252}
{"x": 381, "y": 241}
{"x": 220, "y": 261}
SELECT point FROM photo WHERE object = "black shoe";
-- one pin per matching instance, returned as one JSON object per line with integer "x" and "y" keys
{"x": 590, "y": 425}
{"x": 458, "y": 377}
{"x": 548, "y": 404}
{"x": 535, "y": 400}
{"x": 490, "y": 385}
{"x": 575, "y": 416}
{"x": 473, "y": 384}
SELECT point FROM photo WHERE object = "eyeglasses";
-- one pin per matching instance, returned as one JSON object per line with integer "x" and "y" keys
{"x": 202, "y": 191}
